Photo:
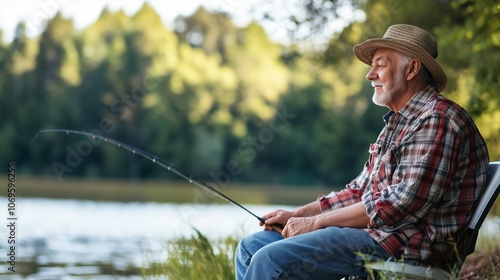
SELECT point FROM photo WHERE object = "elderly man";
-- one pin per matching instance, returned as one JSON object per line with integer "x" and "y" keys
{"x": 414, "y": 197}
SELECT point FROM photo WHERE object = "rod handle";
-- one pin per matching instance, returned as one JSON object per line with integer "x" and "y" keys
{"x": 277, "y": 227}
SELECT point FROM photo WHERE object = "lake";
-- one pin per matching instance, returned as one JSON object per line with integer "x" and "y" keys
{"x": 65, "y": 239}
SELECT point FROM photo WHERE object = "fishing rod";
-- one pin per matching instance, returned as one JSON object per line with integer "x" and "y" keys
{"x": 165, "y": 164}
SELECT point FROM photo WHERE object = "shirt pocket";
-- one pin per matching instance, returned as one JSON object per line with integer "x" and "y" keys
{"x": 374, "y": 152}
{"x": 388, "y": 165}
{"x": 390, "y": 154}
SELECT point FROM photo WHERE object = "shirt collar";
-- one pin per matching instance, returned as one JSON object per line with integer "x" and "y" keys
{"x": 415, "y": 104}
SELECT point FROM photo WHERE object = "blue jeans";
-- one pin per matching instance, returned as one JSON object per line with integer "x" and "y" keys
{"x": 330, "y": 253}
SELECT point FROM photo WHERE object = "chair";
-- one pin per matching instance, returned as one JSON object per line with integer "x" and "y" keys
{"x": 400, "y": 270}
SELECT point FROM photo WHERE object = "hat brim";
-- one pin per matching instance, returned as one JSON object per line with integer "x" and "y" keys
{"x": 366, "y": 50}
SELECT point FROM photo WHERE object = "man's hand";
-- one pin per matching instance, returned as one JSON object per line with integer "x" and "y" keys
{"x": 292, "y": 225}
{"x": 282, "y": 217}
{"x": 296, "y": 226}
{"x": 279, "y": 217}
{"x": 309, "y": 218}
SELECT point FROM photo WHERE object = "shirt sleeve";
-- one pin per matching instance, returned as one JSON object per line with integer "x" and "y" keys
{"x": 414, "y": 173}
{"x": 351, "y": 194}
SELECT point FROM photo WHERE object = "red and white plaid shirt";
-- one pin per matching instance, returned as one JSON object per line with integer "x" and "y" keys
{"x": 422, "y": 179}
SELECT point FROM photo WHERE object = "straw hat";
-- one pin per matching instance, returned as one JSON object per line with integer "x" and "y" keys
{"x": 409, "y": 40}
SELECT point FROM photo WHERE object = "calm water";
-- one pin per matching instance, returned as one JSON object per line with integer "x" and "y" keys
{"x": 70, "y": 238}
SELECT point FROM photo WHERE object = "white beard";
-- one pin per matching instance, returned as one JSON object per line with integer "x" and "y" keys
{"x": 385, "y": 97}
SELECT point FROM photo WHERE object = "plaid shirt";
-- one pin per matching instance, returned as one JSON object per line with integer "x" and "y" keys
{"x": 422, "y": 179}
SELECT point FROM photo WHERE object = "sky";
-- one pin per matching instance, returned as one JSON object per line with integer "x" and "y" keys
{"x": 35, "y": 13}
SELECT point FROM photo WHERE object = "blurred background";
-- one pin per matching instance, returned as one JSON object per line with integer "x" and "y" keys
{"x": 263, "y": 99}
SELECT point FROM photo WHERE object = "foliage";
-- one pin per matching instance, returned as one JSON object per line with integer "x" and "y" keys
{"x": 195, "y": 258}
{"x": 225, "y": 102}
{"x": 479, "y": 68}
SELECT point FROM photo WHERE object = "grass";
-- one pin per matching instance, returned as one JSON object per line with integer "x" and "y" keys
{"x": 195, "y": 257}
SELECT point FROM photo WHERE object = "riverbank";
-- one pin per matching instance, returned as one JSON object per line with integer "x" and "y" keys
{"x": 162, "y": 191}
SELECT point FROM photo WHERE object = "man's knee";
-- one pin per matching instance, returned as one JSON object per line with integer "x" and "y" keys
{"x": 283, "y": 263}
{"x": 249, "y": 245}
{"x": 270, "y": 254}
{"x": 242, "y": 254}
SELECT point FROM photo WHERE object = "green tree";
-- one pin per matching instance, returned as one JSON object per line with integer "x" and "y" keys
{"x": 475, "y": 65}
{"x": 210, "y": 31}
{"x": 26, "y": 97}
{"x": 199, "y": 94}
{"x": 255, "y": 57}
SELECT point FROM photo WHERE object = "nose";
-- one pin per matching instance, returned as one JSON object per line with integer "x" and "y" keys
{"x": 371, "y": 75}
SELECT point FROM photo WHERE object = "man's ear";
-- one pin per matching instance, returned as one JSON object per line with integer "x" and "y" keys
{"x": 412, "y": 69}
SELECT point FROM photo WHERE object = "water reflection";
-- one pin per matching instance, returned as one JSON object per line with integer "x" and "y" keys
{"x": 67, "y": 239}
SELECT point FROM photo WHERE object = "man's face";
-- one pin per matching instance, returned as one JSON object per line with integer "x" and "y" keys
{"x": 388, "y": 78}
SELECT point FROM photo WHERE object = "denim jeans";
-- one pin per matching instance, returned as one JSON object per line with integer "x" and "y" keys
{"x": 330, "y": 253}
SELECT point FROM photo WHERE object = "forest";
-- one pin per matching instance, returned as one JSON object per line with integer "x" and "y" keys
{"x": 226, "y": 102}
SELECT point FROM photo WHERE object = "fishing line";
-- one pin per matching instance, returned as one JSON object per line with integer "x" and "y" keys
{"x": 157, "y": 160}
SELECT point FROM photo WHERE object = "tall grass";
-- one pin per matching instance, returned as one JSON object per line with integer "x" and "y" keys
{"x": 195, "y": 257}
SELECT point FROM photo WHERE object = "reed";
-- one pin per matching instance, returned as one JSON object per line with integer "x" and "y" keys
{"x": 195, "y": 257}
